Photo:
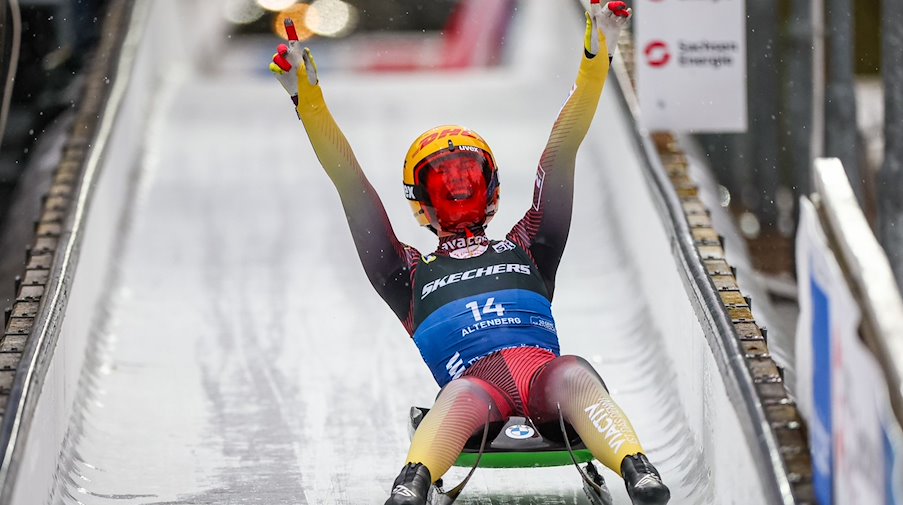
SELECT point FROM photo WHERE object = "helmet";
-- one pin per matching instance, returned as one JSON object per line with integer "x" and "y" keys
{"x": 451, "y": 180}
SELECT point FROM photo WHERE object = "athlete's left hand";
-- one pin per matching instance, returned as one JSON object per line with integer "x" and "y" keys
{"x": 604, "y": 24}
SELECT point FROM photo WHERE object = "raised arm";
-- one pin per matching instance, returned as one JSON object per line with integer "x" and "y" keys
{"x": 386, "y": 260}
{"x": 543, "y": 231}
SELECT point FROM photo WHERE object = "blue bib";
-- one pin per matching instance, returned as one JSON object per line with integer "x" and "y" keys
{"x": 466, "y": 309}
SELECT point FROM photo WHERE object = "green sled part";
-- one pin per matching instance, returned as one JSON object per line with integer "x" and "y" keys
{"x": 524, "y": 459}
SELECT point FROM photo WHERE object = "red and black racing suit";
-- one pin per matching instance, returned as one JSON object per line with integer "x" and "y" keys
{"x": 522, "y": 375}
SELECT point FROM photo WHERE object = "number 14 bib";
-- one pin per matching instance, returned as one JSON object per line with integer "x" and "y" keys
{"x": 466, "y": 309}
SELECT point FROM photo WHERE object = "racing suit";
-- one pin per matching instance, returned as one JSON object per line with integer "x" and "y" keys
{"x": 480, "y": 310}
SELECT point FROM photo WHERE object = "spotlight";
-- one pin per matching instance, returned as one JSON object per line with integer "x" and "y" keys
{"x": 331, "y": 18}
{"x": 298, "y": 13}
{"x": 276, "y": 5}
{"x": 242, "y": 12}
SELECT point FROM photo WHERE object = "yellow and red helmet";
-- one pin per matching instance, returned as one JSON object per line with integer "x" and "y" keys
{"x": 451, "y": 180}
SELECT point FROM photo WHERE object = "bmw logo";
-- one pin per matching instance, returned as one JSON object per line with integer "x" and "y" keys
{"x": 519, "y": 432}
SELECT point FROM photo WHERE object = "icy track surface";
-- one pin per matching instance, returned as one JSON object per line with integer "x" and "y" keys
{"x": 245, "y": 359}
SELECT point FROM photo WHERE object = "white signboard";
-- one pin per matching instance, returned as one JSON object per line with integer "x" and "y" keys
{"x": 841, "y": 390}
{"x": 691, "y": 64}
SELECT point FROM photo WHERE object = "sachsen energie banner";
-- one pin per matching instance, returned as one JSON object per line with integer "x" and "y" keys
{"x": 841, "y": 391}
{"x": 691, "y": 64}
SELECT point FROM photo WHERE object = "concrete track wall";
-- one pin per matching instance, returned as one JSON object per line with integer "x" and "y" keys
{"x": 711, "y": 414}
{"x": 160, "y": 37}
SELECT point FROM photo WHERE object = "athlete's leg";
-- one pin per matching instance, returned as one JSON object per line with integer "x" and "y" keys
{"x": 572, "y": 384}
{"x": 461, "y": 410}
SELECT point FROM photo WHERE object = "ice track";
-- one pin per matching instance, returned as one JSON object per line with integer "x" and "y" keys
{"x": 242, "y": 356}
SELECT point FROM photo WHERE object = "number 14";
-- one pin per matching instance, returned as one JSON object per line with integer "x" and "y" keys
{"x": 488, "y": 308}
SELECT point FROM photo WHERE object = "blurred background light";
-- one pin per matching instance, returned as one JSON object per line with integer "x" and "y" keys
{"x": 242, "y": 12}
{"x": 724, "y": 196}
{"x": 276, "y": 5}
{"x": 298, "y": 14}
{"x": 331, "y": 18}
{"x": 749, "y": 225}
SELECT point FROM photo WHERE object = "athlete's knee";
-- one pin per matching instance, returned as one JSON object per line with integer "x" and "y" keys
{"x": 559, "y": 381}
{"x": 589, "y": 370}
{"x": 465, "y": 403}
{"x": 466, "y": 390}
{"x": 566, "y": 372}
{"x": 458, "y": 387}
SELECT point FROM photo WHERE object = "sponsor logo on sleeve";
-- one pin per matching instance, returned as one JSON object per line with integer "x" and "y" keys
{"x": 537, "y": 192}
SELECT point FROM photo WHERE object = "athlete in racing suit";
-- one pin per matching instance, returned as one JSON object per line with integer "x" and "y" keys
{"x": 479, "y": 310}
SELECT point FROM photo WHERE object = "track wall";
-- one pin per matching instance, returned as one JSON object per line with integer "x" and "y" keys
{"x": 157, "y": 45}
{"x": 655, "y": 256}
{"x": 39, "y": 412}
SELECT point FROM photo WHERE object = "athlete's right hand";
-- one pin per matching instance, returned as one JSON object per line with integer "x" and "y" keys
{"x": 604, "y": 24}
{"x": 293, "y": 66}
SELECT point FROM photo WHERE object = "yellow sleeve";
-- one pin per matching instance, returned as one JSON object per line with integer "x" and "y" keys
{"x": 578, "y": 111}
{"x": 543, "y": 231}
{"x": 385, "y": 259}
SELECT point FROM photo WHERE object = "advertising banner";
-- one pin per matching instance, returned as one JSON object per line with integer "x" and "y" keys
{"x": 841, "y": 390}
{"x": 691, "y": 64}
{"x": 893, "y": 459}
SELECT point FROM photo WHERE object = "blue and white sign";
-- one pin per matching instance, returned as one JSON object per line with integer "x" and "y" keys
{"x": 841, "y": 390}
{"x": 519, "y": 432}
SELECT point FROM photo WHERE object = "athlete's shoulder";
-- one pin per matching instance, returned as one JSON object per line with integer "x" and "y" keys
{"x": 519, "y": 238}
{"x": 411, "y": 255}
{"x": 501, "y": 246}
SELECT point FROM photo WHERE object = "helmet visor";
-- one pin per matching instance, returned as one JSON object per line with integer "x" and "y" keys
{"x": 456, "y": 184}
